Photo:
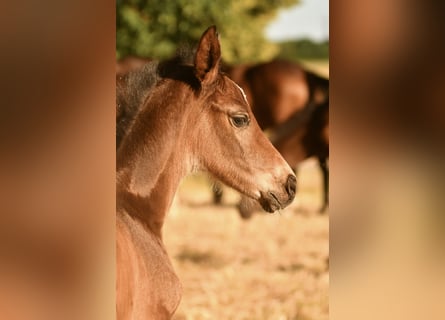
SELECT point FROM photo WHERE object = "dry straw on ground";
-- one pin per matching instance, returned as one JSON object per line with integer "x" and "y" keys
{"x": 270, "y": 267}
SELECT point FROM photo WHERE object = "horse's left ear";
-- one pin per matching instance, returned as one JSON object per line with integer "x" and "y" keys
{"x": 208, "y": 56}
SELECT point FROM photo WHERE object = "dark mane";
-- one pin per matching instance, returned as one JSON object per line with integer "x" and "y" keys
{"x": 311, "y": 110}
{"x": 133, "y": 87}
{"x": 185, "y": 54}
{"x": 131, "y": 90}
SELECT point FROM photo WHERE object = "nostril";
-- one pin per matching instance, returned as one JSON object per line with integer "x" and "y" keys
{"x": 291, "y": 185}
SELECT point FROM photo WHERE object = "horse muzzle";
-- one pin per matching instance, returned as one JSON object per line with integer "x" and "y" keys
{"x": 272, "y": 201}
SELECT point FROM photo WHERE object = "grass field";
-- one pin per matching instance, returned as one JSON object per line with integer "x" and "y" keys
{"x": 274, "y": 266}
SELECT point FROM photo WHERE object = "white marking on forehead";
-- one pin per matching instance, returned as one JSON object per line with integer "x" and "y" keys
{"x": 240, "y": 89}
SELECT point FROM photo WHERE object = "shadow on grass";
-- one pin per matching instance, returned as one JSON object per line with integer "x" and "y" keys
{"x": 207, "y": 259}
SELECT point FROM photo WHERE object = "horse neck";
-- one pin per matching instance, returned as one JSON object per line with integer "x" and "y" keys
{"x": 296, "y": 123}
{"x": 151, "y": 164}
{"x": 291, "y": 147}
{"x": 151, "y": 208}
{"x": 301, "y": 136}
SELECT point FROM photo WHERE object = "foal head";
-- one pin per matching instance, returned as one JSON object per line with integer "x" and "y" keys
{"x": 225, "y": 139}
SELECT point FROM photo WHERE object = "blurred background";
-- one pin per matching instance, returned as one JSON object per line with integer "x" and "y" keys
{"x": 57, "y": 167}
{"x": 251, "y": 31}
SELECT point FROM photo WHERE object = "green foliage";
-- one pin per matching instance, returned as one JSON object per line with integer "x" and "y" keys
{"x": 304, "y": 49}
{"x": 155, "y": 28}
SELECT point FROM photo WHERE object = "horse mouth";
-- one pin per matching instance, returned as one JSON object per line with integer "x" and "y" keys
{"x": 270, "y": 203}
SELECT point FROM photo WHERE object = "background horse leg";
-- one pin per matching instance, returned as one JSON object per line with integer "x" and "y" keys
{"x": 325, "y": 173}
{"x": 217, "y": 190}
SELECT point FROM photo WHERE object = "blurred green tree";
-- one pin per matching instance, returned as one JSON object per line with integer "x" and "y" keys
{"x": 155, "y": 28}
{"x": 304, "y": 49}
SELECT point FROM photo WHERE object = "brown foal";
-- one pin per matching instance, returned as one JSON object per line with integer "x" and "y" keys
{"x": 188, "y": 118}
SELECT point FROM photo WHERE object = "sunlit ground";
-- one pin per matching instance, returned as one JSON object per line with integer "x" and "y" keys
{"x": 319, "y": 66}
{"x": 270, "y": 267}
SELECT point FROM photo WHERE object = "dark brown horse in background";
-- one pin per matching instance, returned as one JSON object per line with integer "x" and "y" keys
{"x": 284, "y": 96}
{"x": 188, "y": 117}
{"x": 278, "y": 89}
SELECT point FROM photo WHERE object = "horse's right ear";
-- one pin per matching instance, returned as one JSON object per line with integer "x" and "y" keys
{"x": 208, "y": 56}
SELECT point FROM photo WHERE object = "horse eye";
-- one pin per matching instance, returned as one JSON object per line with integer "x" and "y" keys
{"x": 240, "y": 120}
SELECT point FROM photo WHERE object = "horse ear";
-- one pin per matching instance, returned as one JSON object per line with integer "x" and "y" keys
{"x": 208, "y": 56}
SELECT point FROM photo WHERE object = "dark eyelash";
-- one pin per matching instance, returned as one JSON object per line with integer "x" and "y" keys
{"x": 240, "y": 120}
